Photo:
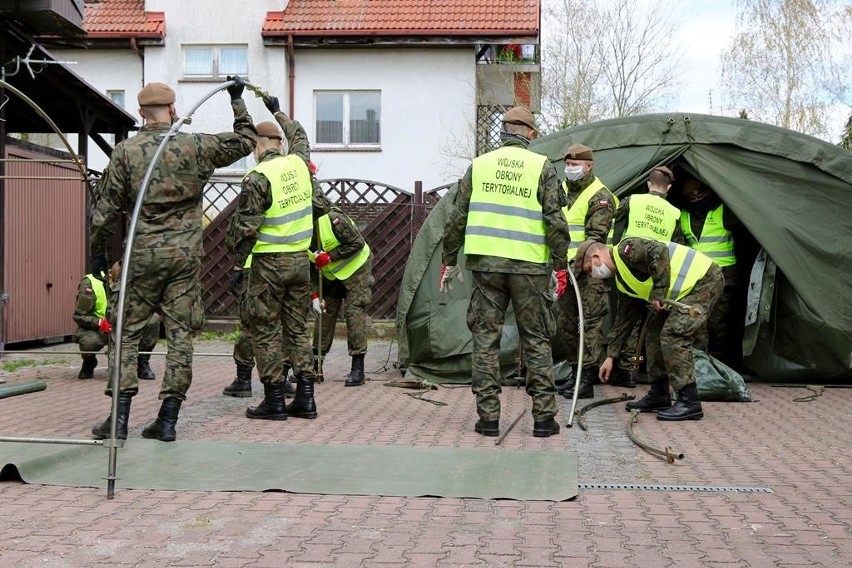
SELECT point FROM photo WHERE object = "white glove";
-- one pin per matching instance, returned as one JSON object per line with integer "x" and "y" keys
{"x": 317, "y": 304}
{"x": 447, "y": 275}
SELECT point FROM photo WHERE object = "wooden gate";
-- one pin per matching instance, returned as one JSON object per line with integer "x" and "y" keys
{"x": 388, "y": 217}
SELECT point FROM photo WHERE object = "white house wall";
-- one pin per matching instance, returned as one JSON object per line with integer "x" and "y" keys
{"x": 427, "y": 111}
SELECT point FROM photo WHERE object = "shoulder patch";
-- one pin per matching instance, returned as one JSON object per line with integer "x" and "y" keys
{"x": 336, "y": 221}
{"x": 88, "y": 290}
{"x": 626, "y": 249}
{"x": 603, "y": 202}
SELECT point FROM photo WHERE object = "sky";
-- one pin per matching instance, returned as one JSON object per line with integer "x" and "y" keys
{"x": 706, "y": 31}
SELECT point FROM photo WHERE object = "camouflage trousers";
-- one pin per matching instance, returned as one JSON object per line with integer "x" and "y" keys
{"x": 171, "y": 285}
{"x": 594, "y": 294}
{"x": 671, "y": 334}
{"x": 353, "y": 295}
{"x": 243, "y": 352}
{"x": 715, "y": 340}
{"x": 531, "y": 302}
{"x": 277, "y": 304}
{"x": 91, "y": 340}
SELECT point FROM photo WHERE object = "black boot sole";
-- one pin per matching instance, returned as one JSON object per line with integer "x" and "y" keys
{"x": 243, "y": 394}
{"x": 305, "y": 415}
{"x": 694, "y": 416}
{"x": 544, "y": 433}
{"x": 266, "y": 416}
{"x": 649, "y": 409}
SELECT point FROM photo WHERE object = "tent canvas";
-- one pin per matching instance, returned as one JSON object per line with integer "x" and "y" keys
{"x": 789, "y": 190}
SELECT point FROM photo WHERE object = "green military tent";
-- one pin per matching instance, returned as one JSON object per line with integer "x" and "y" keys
{"x": 790, "y": 191}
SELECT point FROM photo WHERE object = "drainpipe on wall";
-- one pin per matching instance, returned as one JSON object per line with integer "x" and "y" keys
{"x": 291, "y": 77}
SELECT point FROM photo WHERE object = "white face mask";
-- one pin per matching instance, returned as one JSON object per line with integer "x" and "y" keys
{"x": 601, "y": 271}
{"x": 574, "y": 173}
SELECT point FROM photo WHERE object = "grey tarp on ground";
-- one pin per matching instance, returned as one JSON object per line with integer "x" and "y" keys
{"x": 791, "y": 191}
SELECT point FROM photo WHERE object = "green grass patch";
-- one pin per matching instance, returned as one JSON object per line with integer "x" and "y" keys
{"x": 13, "y": 365}
{"x": 230, "y": 337}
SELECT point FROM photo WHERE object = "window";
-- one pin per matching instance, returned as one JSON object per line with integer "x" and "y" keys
{"x": 214, "y": 62}
{"x": 348, "y": 119}
{"x": 117, "y": 97}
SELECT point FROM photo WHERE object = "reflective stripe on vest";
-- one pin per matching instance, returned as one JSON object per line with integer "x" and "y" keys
{"x": 247, "y": 263}
{"x": 715, "y": 240}
{"x": 651, "y": 217}
{"x": 100, "y": 295}
{"x": 686, "y": 267}
{"x": 576, "y": 215}
{"x": 288, "y": 225}
{"x": 504, "y": 195}
{"x": 337, "y": 269}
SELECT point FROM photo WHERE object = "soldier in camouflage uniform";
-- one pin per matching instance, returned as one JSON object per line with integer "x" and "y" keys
{"x": 345, "y": 263}
{"x": 166, "y": 259}
{"x": 589, "y": 212}
{"x": 94, "y": 318}
{"x": 508, "y": 217}
{"x": 660, "y": 224}
{"x": 273, "y": 223}
{"x": 648, "y": 272}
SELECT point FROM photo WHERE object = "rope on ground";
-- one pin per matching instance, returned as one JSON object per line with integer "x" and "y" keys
{"x": 816, "y": 392}
{"x": 668, "y": 454}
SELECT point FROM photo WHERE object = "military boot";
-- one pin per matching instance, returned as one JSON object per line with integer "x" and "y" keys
{"x": 288, "y": 389}
{"x": 303, "y": 405}
{"x": 143, "y": 368}
{"x": 272, "y": 406}
{"x": 587, "y": 381}
{"x": 87, "y": 371}
{"x": 241, "y": 387}
{"x": 102, "y": 430}
{"x": 568, "y": 385}
{"x": 686, "y": 407}
{"x": 355, "y": 378}
{"x": 658, "y": 398}
{"x": 163, "y": 428}
{"x": 489, "y": 428}
{"x": 545, "y": 428}
{"x": 623, "y": 378}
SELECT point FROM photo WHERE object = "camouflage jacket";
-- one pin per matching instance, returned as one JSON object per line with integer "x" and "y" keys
{"x": 645, "y": 258}
{"x": 84, "y": 310}
{"x": 256, "y": 195}
{"x": 552, "y": 199}
{"x": 344, "y": 229}
{"x": 601, "y": 208}
{"x": 170, "y": 220}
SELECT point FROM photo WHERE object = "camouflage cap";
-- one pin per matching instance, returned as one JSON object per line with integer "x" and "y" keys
{"x": 578, "y": 152}
{"x": 156, "y": 94}
{"x": 268, "y": 130}
{"x": 664, "y": 170}
{"x": 581, "y": 254}
{"x": 520, "y": 115}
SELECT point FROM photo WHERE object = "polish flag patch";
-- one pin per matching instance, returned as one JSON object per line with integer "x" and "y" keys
{"x": 626, "y": 249}
{"x": 336, "y": 221}
{"x": 603, "y": 202}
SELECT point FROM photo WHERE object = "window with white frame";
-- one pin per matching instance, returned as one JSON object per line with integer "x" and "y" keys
{"x": 348, "y": 119}
{"x": 214, "y": 62}
{"x": 117, "y": 97}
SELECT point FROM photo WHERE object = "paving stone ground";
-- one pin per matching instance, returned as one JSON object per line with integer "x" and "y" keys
{"x": 799, "y": 450}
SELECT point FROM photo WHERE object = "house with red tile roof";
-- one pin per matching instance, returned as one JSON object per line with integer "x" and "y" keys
{"x": 395, "y": 91}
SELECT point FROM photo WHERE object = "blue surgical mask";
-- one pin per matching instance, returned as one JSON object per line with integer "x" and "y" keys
{"x": 574, "y": 173}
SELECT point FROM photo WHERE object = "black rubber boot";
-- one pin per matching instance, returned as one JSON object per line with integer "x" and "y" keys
{"x": 545, "y": 428}
{"x": 568, "y": 385}
{"x": 87, "y": 371}
{"x": 303, "y": 405}
{"x": 355, "y": 378}
{"x": 241, "y": 387}
{"x": 623, "y": 378}
{"x": 102, "y": 430}
{"x": 587, "y": 381}
{"x": 288, "y": 389}
{"x": 490, "y": 428}
{"x": 686, "y": 407}
{"x": 272, "y": 406}
{"x": 658, "y": 398}
{"x": 143, "y": 368}
{"x": 163, "y": 428}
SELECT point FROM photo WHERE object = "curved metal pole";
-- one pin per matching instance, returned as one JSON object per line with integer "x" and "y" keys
{"x": 669, "y": 454}
{"x": 581, "y": 420}
{"x": 122, "y": 292}
{"x": 55, "y": 128}
{"x": 582, "y": 325}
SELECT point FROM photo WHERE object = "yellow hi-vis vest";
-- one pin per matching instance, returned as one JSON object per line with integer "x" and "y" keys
{"x": 337, "y": 269}
{"x": 686, "y": 267}
{"x": 100, "y": 295}
{"x": 504, "y": 218}
{"x": 288, "y": 225}
{"x": 715, "y": 240}
{"x": 576, "y": 215}
{"x": 651, "y": 217}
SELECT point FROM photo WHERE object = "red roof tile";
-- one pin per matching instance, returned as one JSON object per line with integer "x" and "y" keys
{"x": 122, "y": 18}
{"x": 405, "y": 17}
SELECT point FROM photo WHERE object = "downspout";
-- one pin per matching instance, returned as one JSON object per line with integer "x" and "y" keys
{"x": 291, "y": 77}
